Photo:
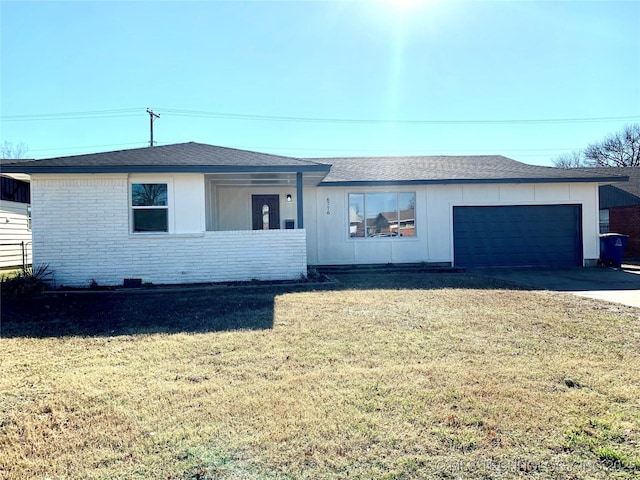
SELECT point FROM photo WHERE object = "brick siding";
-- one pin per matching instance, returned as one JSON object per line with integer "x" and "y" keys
{"x": 626, "y": 220}
{"x": 81, "y": 230}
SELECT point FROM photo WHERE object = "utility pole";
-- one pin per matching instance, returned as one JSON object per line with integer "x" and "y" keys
{"x": 152, "y": 117}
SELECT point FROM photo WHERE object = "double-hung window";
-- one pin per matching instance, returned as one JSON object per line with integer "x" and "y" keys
{"x": 150, "y": 207}
{"x": 382, "y": 215}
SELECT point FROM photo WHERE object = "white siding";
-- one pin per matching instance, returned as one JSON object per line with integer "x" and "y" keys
{"x": 230, "y": 207}
{"x": 329, "y": 243}
{"x": 15, "y": 236}
{"x": 82, "y": 230}
{"x": 587, "y": 196}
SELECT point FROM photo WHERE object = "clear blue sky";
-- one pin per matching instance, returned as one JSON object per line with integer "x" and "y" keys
{"x": 340, "y": 77}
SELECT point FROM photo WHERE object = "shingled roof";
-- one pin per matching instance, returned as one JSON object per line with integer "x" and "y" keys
{"x": 343, "y": 171}
{"x": 632, "y": 186}
{"x": 448, "y": 169}
{"x": 618, "y": 194}
{"x": 180, "y": 157}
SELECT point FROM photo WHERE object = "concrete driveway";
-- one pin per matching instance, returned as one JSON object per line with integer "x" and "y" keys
{"x": 618, "y": 285}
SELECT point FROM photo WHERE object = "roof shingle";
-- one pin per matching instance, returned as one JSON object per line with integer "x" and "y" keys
{"x": 178, "y": 156}
{"x": 632, "y": 186}
{"x": 197, "y": 157}
{"x": 444, "y": 169}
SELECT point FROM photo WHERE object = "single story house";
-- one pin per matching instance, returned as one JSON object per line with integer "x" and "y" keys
{"x": 15, "y": 221}
{"x": 620, "y": 206}
{"x": 192, "y": 212}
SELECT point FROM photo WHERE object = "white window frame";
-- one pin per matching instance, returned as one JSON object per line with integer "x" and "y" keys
{"x": 169, "y": 207}
{"x": 604, "y": 222}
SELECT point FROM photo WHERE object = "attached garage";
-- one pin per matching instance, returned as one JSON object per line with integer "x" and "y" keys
{"x": 517, "y": 235}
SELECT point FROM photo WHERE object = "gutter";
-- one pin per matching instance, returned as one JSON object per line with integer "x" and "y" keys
{"x": 470, "y": 181}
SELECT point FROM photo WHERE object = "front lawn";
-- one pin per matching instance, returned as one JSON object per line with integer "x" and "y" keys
{"x": 398, "y": 376}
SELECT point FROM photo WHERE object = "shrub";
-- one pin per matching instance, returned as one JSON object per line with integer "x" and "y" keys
{"x": 29, "y": 281}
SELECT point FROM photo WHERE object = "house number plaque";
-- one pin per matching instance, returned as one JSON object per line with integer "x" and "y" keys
{"x": 328, "y": 206}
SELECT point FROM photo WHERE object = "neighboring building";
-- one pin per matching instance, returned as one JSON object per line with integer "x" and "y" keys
{"x": 190, "y": 213}
{"x": 15, "y": 221}
{"x": 620, "y": 206}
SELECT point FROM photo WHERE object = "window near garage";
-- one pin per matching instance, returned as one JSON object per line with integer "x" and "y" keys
{"x": 604, "y": 221}
{"x": 382, "y": 215}
{"x": 150, "y": 207}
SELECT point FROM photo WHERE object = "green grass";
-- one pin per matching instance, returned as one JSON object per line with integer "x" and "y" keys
{"x": 395, "y": 376}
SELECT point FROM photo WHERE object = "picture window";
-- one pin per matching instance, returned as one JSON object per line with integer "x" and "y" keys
{"x": 382, "y": 215}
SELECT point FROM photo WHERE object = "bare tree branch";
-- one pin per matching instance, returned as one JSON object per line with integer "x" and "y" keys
{"x": 574, "y": 159}
{"x": 621, "y": 149}
{"x": 10, "y": 151}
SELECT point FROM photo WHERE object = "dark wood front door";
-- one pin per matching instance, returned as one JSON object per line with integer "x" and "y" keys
{"x": 265, "y": 212}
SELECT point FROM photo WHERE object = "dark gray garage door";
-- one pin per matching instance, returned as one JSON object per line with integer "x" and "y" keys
{"x": 517, "y": 235}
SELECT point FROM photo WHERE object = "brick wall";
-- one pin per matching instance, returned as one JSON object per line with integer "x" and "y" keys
{"x": 81, "y": 229}
{"x": 626, "y": 220}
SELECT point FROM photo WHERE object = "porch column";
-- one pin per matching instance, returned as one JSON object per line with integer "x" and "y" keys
{"x": 299, "y": 199}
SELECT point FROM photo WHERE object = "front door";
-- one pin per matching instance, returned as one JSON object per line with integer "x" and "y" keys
{"x": 265, "y": 212}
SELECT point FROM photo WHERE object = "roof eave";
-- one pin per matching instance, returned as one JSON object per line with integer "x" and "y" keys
{"x": 466, "y": 181}
{"x": 80, "y": 169}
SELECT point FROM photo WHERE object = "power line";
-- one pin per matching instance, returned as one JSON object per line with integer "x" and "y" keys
{"x": 476, "y": 150}
{"x": 438, "y": 122}
{"x": 87, "y": 146}
{"x": 65, "y": 114}
{"x": 131, "y": 112}
{"x": 273, "y": 118}
{"x": 123, "y": 112}
{"x": 316, "y": 149}
{"x": 320, "y": 152}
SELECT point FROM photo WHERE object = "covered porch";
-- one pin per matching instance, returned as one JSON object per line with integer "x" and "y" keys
{"x": 255, "y": 223}
{"x": 242, "y": 201}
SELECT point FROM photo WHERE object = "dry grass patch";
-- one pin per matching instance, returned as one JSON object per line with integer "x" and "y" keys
{"x": 401, "y": 376}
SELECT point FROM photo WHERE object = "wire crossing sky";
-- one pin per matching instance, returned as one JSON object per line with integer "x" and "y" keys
{"x": 526, "y": 79}
{"x": 191, "y": 113}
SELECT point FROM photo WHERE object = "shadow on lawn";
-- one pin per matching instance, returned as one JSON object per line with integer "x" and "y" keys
{"x": 112, "y": 314}
{"x": 189, "y": 309}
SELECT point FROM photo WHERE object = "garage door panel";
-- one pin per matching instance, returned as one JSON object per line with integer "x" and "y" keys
{"x": 513, "y": 233}
{"x": 522, "y": 259}
{"x": 517, "y": 235}
{"x": 514, "y": 244}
